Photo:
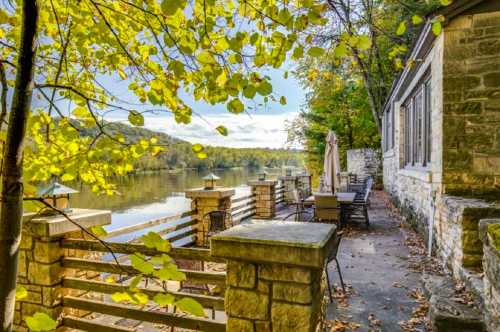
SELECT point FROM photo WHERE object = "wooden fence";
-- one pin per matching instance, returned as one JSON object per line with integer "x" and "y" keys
{"x": 149, "y": 313}
{"x": 242, "y": 208}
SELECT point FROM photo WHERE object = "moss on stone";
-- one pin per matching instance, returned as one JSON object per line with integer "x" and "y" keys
{"x": 494, "y": 232}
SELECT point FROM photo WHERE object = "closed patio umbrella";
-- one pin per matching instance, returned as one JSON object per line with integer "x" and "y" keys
{"x": 331, "y": 166}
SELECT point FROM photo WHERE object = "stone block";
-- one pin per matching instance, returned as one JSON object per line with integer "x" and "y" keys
{"x": 491, "y": 80}
{"x": 471, "y": 260}
{"x": 287, "y": 317}
{"x": 291, "y": 292}
{"x": 23, "y": 264}
{"x": 248, "y": 304}
{"x": 44, "y": 274}
{"x": 489, "y": 47}
{"x": 471, "y": 244}
{"x": 262, "y": 326}
{"x": 29, "y": 309}
{"x": 240, "y": 325}
{"x": 48, "y": 252}
{"x": 278, "y": 272}
{"x": 241, "y": 274}
{"x": 264, "y": 286}
{"x": 26, "y": 242}
{"x": 447, "y": 315}
{"x": 452, "y": 84}
{"x": 486, "y": 20}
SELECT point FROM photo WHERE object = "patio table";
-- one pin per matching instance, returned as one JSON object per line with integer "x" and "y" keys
{"x": 344, "y": 198}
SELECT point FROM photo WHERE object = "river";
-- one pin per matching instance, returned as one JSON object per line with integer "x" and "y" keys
{"x": 149, "y": 196}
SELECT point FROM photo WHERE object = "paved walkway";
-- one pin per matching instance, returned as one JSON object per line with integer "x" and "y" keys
{"x": 381, "y": 267}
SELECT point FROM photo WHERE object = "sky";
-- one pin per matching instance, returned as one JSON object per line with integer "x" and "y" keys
{"x": 263, "y": 127}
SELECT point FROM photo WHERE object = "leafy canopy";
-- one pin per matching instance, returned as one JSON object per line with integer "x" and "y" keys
{"x": 164, "y": 52}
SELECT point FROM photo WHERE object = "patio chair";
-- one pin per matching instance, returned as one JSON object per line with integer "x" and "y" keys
{"x": 359, "y": 209}
{"x": 332, "y": 256}
{"x": 217, "y": 222}
{"x": 298, "y": 202}
{"x": 327, "y": 209}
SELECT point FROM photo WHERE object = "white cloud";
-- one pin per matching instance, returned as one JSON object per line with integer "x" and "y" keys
{"x": 257, "y": 130}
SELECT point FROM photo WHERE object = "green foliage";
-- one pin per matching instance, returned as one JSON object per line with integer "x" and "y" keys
{"x": 40, "y": 322}
{"x": 98, "y": 231}
{"x": 21, "y": 293}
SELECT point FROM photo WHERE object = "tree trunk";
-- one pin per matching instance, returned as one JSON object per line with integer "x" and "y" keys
{"x": 12, "y": 183}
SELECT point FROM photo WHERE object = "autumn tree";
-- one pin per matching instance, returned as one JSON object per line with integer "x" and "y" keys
{"x": 69, "y": 54}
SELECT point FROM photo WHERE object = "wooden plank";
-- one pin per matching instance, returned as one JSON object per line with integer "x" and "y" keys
{"x": 206, "y": 301}
{"x": 243, "y": 211}
{"x": 239, "y": 199}
{"x": 94, "y": 326}
{"x": 185, "y": 233}
{"x": 147, "y": 224}
{"x": 129, "y": 248}
{"x": 242, "y": 206}
{"x": 201, "y": 277}
{"x": 126, "y": 311}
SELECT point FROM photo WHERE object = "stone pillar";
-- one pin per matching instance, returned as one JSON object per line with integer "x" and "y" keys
{"x": 205, "y": 201}
{"x": 275, "y": 274}
{"x": 489, "y": 232}
{"x": 40, "y": 271}
{"x": 265, "y": 198}
{"x": 290, "y": 183}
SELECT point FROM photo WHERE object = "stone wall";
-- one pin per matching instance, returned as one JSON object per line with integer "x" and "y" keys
{"x": 275, "y": 275}
{"x": 471, "y": 85}
{"x": 491, "y": 278}
{"x": 457, "y": 231}
{"x": 40, "y": 271}
{"x": 364, "y": 162}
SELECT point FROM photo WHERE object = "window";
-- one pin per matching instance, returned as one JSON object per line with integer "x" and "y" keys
{"x": 388, "y": 129}
{"x": 417, "y": 126}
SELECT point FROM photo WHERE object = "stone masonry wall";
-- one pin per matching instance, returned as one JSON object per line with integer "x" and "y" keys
{"x": 272, "y": 297}
{"x": 457, "y": 231}
{"x": 491, "y": 278}
{"x": 364, "y": 162}
{"x": 471, "y": 86}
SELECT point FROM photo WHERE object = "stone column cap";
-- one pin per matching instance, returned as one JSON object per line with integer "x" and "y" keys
{"x": 290, "y": 243}
{"x": 50, "y": 226}
{"x": 262, "y": 183}
{"x": 218, "y": 192}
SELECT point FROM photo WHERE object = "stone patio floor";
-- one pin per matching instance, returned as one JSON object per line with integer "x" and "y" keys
{"x": 382, "y": 267}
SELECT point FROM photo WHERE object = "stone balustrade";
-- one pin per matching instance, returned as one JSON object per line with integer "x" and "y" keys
{"x": 204, "y": 201}
{"x": 274, "y": 274}
{"x": 40, "y": 271}
{"x": 489, "y": 232}
{"x": 265, "y": 198}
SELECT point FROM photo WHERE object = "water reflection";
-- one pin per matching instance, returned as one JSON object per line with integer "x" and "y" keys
{"x": 149, "y": 196}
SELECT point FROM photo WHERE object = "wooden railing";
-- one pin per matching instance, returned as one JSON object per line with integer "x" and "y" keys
{"x": 242, "y": 208}
{"x": 150, "y": 313}
{"x": 180, "y": 228}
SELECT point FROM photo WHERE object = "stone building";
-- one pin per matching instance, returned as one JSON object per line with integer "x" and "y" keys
{"x": 441, "y": 132}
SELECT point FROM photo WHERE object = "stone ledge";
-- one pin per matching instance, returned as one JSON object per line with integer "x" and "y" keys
{"x": 290, "y": 243}
{"x": 220, "y": 192}
{"x": 51, "y": 226}
{"x": 268, "y": 183}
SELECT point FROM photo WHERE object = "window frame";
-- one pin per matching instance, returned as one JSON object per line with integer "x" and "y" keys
{"x": 417, "y": 123}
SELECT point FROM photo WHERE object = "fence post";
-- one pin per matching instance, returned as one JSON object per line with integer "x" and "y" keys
{"x": 290, "y": 183}
{"x": 40, "y": 271}
{"x": 205, "y": 201}
{"x": 265, "y": 198}
{"x": 275, "y": 274}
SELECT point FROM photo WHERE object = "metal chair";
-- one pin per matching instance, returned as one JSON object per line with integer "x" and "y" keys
{"x": 359, "y": 209}
{"x": 298, "y": 201}
{"x": 327, "y": 208}
{"x": 332, "y": 256}
{"x": 217, "y": 222}
{"x": 298, "y": 215}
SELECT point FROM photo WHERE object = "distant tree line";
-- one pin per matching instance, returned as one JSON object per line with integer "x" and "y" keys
{"x": 179, "y": 154}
